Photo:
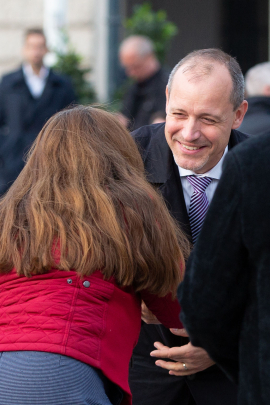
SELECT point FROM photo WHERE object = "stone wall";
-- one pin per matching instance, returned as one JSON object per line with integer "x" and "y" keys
{"x": 15, "y": 17}
{"x": 82, "y": 27}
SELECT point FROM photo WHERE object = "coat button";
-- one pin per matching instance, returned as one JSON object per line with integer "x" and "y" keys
{"x": 86, "y": 284}
{"x": 69, "y": 281}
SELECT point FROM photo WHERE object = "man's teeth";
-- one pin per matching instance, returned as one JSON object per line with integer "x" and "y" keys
{"x": 190, "y": 147}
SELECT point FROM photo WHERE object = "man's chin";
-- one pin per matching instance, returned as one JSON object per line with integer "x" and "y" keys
{"x": 196, "y": 167}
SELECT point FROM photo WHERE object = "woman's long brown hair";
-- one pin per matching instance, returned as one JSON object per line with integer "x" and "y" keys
{"x": 83, "y": 188}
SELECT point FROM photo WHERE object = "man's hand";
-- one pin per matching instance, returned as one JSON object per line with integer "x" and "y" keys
{"x": 188, "y": 359}
{"x": 148, "y": 316}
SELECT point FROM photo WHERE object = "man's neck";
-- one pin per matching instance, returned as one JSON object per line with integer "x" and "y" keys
{"x": 36, "y": 68}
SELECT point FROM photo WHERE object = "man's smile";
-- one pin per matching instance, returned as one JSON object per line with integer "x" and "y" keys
{"x": 190, "y": 149}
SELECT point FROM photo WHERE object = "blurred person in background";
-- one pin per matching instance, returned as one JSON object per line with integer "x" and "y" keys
{"x": 84, "y": 238}
{"x": 147, "y": 95}
{"x": 257, "y": 87}
{"x": 28, "y": 97}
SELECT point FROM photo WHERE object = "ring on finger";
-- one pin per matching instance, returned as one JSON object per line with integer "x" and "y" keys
{"x": 185, "y": 366}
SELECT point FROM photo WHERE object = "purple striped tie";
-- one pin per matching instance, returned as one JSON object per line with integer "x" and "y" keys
{"x": 198, "y": 204}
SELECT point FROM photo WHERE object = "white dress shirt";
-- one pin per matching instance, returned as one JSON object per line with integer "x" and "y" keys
{"x": 35, "y": 82}
{"x": 214, "y": 173}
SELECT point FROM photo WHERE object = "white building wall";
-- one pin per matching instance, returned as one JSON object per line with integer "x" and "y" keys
{"x": 85, "y": 24}
{"x": 15, "y": 17}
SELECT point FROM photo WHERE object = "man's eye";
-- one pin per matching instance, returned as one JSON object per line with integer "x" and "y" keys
{"x": 209, "y": 120}
{"x": 180, "y": 115}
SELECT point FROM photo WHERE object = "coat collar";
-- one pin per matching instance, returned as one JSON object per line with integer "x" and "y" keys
{"x": 18, "y": 77}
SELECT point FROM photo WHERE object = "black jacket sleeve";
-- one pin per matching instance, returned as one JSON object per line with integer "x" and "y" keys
{"x": 215, "y": 289}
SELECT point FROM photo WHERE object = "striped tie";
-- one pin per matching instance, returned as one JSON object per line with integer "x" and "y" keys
{"x": 198, "y": 204}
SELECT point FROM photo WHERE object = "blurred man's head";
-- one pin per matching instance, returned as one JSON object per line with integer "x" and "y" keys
{"x": 34, "y": 48}
{"x": 257, "y": 80}
{"x": 136, "y": 54}
{"x": 205, "y": 101}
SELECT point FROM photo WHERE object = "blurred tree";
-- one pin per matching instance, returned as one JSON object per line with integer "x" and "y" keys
{"x": 154, "y": 25}
{"x": 69, "y": 63}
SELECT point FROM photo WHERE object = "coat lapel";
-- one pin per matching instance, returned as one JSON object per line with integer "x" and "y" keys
{"x": 163, "y": 173}
{"x": 43, "y": 101}
{"x": 173, "y": 195}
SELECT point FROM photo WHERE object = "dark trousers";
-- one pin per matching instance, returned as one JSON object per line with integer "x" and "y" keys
{"x": 152, "y": 385}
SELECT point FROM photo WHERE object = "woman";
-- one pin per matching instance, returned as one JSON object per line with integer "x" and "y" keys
{"x": 83, "y": 239}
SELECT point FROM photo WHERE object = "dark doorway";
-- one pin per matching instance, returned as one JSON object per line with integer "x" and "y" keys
{"x": 238, "y": 27}
{"x": 245, "y": 31}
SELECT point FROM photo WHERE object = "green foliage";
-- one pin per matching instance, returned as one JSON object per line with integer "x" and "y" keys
{"x": 69, "y": 63}
{"x": 154, "y": 25}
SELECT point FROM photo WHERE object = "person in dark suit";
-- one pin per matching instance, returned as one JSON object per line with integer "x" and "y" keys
{"x": 29, "y": 96}
{"x": 146, "y": 95}
{"x": 257, "y": 86}
{"x": 205, "y": 105}
{"x": 225, "y": 293}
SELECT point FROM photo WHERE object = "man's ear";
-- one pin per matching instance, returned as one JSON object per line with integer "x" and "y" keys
{"x": 266, "y": 90}
{"x": 239, "y": 114}
{"x": 167, "y": 99}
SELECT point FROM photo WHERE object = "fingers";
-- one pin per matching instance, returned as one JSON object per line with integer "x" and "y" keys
{"x": 175, "y": 368}
{"x": 160, "y": 346}
{"x": 164, "y": 352}
{"x": 179, "y": 332}
{"x": 187, "y": 359}
{"x": 147, "y": 316}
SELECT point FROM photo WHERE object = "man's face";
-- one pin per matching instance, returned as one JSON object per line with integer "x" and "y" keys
{"x": 200, "y": 117}
{"x": 35, "y": 49}
{"x": 135, "y": 65}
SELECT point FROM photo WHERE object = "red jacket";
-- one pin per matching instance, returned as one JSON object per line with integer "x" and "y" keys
{"x": 89, "y": 319}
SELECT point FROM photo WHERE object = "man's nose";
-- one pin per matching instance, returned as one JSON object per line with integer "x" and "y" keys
{"x": 191, "y": 130}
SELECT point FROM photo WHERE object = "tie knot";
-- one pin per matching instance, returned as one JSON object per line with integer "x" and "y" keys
{"x": 199, "y": 184}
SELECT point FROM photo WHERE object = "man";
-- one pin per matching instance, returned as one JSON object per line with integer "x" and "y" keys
{"x": 225, "y": 293}
{"x": 205, "y": 104}
{"x": 147, "y": 95}
{"x": 257, "y": 83}
{"x": 28, "y": 97}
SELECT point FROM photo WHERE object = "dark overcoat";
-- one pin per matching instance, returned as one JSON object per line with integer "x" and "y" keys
{"x": 22, "y": 116}
{"x": 144, "y": 99}
{"x": 225, "y": 295}
{"x": 257, "y": 118}
{"x": 151, "y": 385}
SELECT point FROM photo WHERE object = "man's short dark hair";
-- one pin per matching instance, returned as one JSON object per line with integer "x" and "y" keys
{"x": 33, "y": 31}
{"x": 202, "y": 58}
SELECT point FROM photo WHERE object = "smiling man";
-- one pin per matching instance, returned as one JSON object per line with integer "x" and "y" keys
{"x": 183, "y": 158}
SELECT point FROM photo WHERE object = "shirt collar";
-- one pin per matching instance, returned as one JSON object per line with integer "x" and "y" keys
{"x": 214, "y": 173}
{"x": 28, "y": 71}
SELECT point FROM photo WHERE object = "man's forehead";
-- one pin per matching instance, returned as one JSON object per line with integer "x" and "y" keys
{"x": 131, "y": 56}
{"x": 194, "y": 70}
{"x": 200, "y": 96}
{"x": 35, "y": 37}
{"x": 211, "y": 81}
